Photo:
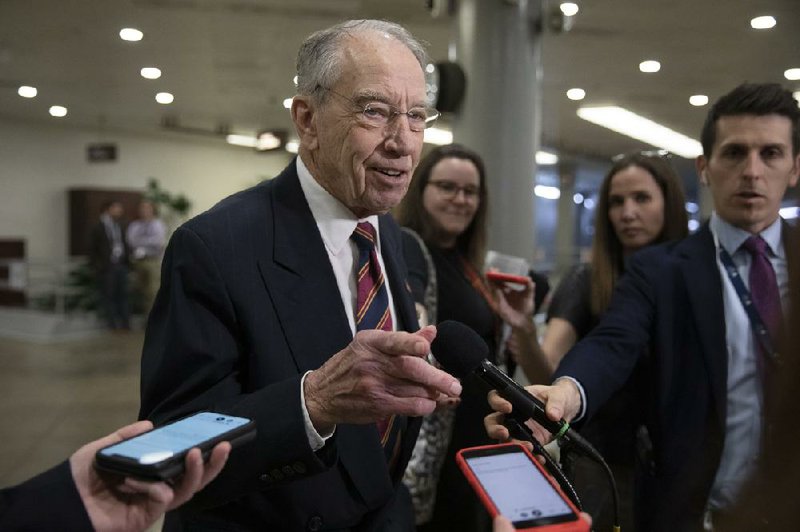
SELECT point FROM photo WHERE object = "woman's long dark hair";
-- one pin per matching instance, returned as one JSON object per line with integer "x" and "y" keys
{"x": 608, "y": 256}
{"x": 412, "y": 214}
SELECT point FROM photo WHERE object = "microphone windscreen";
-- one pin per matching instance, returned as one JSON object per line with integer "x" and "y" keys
{"x": 458, "y": 348}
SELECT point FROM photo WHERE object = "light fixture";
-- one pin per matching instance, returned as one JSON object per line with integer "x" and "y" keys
{"x": 164, "y": 98}
{"x": 649, "y": 66}
{"x": 577, "y": 198}
{"x": 292, "y": 146}
{"x": 430, "y": 68}
{"x": 797, "y": 97}
{"x": 287, "y": 103}
{"x": 58, "y": 111}
{"x": 640, "y": 128}
{"x": 26, "y": 91}
{"x": 698, "y": 100}
{"x": 546, "y": 158}
{"x": 150, "y": 73}
{"x": 789, "y": 213}
{"x": 763, "y": 23}
{"x": 692, "y": 207}
{"x": 241, "y": 140}
{"x": 546, "y": 192}
{"x": 570, "y": 9}
{"x": 130, "y": 34}
{"x": 589, "y": 203}
{"x": 793, "y": 74}
{"x": 693, "y": 225}
{"x": 438, "y": 136}
{"x": 294, "y": 81}
{"x": 576, "y": 94}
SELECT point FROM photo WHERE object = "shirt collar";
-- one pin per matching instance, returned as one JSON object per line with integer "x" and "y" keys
{"x": 731, "y": 238}
{"x": 335, "y": 221}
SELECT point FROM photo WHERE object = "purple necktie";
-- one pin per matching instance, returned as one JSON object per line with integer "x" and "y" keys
{"x": 764, "y": 288}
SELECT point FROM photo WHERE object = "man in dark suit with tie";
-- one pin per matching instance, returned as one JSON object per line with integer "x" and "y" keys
{"x": 108, "y": 258}
{"x": 266, "y": 299}
{"x": 685, "y": 310}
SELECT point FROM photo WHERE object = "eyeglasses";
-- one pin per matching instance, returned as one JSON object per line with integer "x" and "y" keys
{"x": 656, "y": 154}
{"x": 450, "y": 190}
{"x": 380, "y": 114}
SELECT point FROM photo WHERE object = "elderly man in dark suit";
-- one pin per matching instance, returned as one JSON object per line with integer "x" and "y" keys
{"x": 267, "y": 302}
{"x": 704, "y": 314}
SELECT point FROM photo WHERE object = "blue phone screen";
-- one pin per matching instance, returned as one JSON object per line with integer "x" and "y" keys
{"x": 517, "y": 487}
{"x": 169, "y": 440}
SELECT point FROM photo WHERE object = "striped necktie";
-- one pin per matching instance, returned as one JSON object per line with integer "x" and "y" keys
{"x": 372, "y": 312}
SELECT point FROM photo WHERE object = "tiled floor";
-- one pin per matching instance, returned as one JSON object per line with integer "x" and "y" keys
{"x": 56, "y": 397}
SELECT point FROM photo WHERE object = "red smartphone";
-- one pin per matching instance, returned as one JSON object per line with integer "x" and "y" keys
{"x": 500, "y": 277}
{"x": 511, "y": 482}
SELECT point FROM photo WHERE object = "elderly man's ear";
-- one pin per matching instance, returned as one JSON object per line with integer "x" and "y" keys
{"x": 304, "y": 117}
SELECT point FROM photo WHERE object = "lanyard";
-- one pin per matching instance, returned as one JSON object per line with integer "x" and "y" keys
{"x": 756, "y": 323}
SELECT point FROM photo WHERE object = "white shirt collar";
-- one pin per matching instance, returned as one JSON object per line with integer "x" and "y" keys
{"x": 335, "y": 221}
{"x": 731, "y": 238}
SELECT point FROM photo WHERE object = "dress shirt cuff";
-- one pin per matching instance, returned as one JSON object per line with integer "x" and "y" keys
{"x": 315, "y": 439}
{"x": 582, "y": 409}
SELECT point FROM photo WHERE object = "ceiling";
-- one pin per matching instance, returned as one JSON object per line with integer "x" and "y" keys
{"x": 230, "y": 63}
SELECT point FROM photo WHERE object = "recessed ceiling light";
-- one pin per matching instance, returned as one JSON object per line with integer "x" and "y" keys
{"x": 698, "y": 100}
{"x": 649, "y": 66}
{"x": 547, "y": 192}
{"x": 292, "y": 146}
{"x": 287, "y": 103}
{"x": 150, "y": 72}
{"x": 430, "y": 68}
{"x": 294, "y": 81}
{"x": 130, "y": 34}
{"x": 570, "y": 9}
{"x": 763, "y": 23}
{"x": 27, "y": 91}
{"x": 641, "y": 128}
{"x": 797, "y": 97}
{"x": 544, "y": 158}
{"x": 576, "y": 94}
{"x": 792, "y": 74}
{"x": 58, "y": 111}
{"x": 164, "y": 98}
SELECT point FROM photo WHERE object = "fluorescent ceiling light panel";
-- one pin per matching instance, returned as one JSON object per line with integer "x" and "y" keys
{"x": 546, "y": 157}
{"x": 150, "y": 72}
{"x": 292, "y": 146}
{"x": 790, "y": 213}
{"x": 570, "y": 9}
{"x": 543, "y": 191}
{"x": 698, "y": 100}
{"x": 440, "y": 137}
{"x": 287, "y": 103}
{"x": 576, "y": 94}
{"x": 640, "y": 128}
{"x": 242, "y": 140}
{"x": 58, "y": 111}
{"x": 650, "y": 66}
{"x": 793, "y": 74}
{"x": 164, "y": 98}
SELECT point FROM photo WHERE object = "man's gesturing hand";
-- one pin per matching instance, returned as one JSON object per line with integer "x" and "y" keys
{"x": 380, "y": 373}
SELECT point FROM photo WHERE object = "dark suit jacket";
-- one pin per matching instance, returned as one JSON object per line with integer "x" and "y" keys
{"x": 668, "y": 309}
{"x": 100, "y": 247}
{"x": 248, "y": 303}
{"x": 49, "y": 501}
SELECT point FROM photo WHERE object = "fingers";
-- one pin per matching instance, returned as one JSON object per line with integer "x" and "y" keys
{"x": 497, "y": 403}
{"x": 158, "y": 492}
{"x": 219, "y": 457}
{"x": 501, "y": 524}
{"x": 562, "y": 399}
{"x": 396, "y": 343}
{"x": 420, "y": 373}
{"x": 495, "y": 429}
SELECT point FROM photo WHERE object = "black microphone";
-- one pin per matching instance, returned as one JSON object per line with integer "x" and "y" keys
{"x": 462, "y": 352}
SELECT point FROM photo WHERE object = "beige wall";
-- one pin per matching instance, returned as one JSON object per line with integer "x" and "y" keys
{"x": 40, "y": 162}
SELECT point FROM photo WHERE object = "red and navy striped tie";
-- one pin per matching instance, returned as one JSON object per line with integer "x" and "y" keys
{"x": 372, "y": 312}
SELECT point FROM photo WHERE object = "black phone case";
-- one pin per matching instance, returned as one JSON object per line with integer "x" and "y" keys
{"x": 174, "y": 465}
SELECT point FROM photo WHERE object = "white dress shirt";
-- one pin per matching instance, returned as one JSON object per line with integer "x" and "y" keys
{"x": 336, "y": 224}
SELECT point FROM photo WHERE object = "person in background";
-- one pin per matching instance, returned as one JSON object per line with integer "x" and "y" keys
{"x": 640, "y": 203}
{"x": 147, "y": 237}
{"x": 705, "y": 315}
{"x": 108, "y": 258}
{"x": 287, "y": 303}
{"x": 74, "y": 496}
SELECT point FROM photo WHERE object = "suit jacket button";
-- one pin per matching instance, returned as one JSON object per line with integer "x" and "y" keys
{"x": 276, "y": 475}
{"x": 288, "y": 471}
{"x": 299, "y": 467}
{"x": 265, "y": 478}
{"x": 314, "y": 524}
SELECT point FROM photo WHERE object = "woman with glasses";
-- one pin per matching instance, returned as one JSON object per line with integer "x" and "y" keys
{"x": 444, "y": 213}
{"x": 641, "y": 202}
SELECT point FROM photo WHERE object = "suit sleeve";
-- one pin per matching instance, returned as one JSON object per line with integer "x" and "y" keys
{"x": 603, "y": 360}
{"x": 194, "y": 359}
{"x": 49, "y": 501}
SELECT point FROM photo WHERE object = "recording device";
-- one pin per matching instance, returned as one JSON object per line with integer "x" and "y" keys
{"x": 462, "y": 352}
{"x": 500, "y": 277}
{"x": 160, "y": 454}
{"x": 509, "y": 481}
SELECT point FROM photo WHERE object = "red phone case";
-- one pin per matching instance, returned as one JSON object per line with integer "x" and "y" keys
{"x": 576, "y": 525}
{"x": 501, "y": 277}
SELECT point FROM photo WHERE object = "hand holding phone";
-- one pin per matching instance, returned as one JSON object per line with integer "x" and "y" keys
{"x": 511, "y": 482}
{"x": 160, "y": 454}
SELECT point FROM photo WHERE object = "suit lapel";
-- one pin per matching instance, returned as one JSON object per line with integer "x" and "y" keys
{"x": 704, "y": 288}
{"x": 396, "y": 271}
{"x": 298, "y": 277}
